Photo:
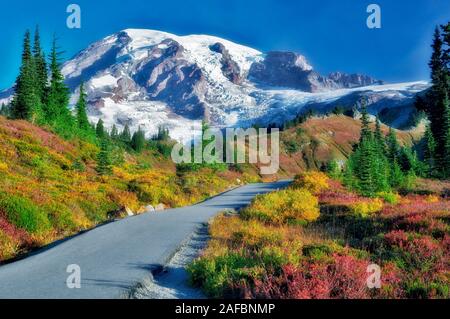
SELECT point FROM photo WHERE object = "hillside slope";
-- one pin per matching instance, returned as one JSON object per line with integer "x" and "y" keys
{"x": 49, "y": 188}
{"x": 322, "y": 139}
{"x": 147, "y": 78}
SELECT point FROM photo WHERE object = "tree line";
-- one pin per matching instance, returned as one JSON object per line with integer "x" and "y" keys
{"x": 378, "y": 162}
{"x": 42, "y": 98}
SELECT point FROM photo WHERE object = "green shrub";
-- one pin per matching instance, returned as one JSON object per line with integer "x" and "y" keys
{"x": 60, "y": 217}
{"x": 389, "y": 197}
{"x": 23, "y": 213}
{"x": 216, "y": 274}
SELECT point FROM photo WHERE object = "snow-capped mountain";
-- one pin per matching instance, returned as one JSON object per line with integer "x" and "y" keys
{"x": 150, "y": 78}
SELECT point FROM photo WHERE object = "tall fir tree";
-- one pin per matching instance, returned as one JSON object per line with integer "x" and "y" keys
{"x": 429, "y": 151}
{"x": 436, "y": 103}
{"x": 379, "y": 137}
{"x": 100, "y": 129}
{"x": 26, "y": 103}
{"x": 367, "y": 169}
{"x": 41, "y": 67}
{"x": 125, "y": 136}
{"x": 445, "y": 162}
{"x": 393, "y": 148}
{"x": 114, "y": 132}
{"x": 138, "y": 140}
{"x": 366, "y": 133}
{"x": 4, "y": 110}
{"x": 104, "y": 166}
{"x": 57, "y": 104}
{"x": 80, "y": 108}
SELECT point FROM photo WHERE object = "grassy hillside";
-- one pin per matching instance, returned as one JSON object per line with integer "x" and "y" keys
{"x": 317, "y": 239}
{"x": 49, "y": 187}
{"x": 322, "y": 139}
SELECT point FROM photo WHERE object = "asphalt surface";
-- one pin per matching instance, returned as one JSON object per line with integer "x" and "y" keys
{"x": 118, "y": 255}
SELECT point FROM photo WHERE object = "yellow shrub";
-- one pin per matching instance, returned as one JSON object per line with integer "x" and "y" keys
{"x": 366, "y": 208}
{"x": 284, "y": 206}
{"x": 432, "y": 199}
{"x": 3, "y": 166}
{"x": 314, "y": 182}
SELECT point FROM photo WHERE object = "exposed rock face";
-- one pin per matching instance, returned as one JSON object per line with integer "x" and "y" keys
{"x": 286, "y": 69}
{"x": 168, "y": 77}
{"x": 352, "y": 80}
{"x": 147, "y": 78}
{"x": 98, "y": 56}
{"x": 230, "y": 68}
{"x": 291, "y": 70}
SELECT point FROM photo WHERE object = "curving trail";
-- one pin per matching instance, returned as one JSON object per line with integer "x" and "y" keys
{"x": 116, "y": 256}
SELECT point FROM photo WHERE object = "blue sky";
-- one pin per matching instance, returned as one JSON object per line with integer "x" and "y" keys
{"x": 332, "y": 34}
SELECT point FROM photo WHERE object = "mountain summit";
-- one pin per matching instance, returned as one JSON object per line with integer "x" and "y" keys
{"x": 151, "y": 78}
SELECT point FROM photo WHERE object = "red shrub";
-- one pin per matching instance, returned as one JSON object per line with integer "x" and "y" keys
{"x": 14, "y": 232}
{"x": 344, "y": 277}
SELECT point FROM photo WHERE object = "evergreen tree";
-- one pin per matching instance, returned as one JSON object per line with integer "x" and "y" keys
{"x": 408, "y": 160}
{"x": 26, "y": 103}
{"x": 114, "y": 132}
{"x": 430, "y": 146}
{"x": 379, "y": 137}
{"x": 104, "y": 166}
{"x": 396, "y": 175}
{"x": 393, "y": 147}
{"x": 436, "y": 103}
{"x": 56, "y": 107}
{"x": 446, "y": 40}
{"x": 125, "y": 136}
{"x": 138, "y": 140}
{"x": 41, "y": 67}
{"x": 4, "y": 110}
{"x": 445, "y": 159}
{"x": 162, "y": 135}
{"x": 100, "y": 129}
{"x": 333, "y": 169}
{"x": 80, "y": 108}
{"x": 366, "y": 133}
{"x": 367, "y": 169}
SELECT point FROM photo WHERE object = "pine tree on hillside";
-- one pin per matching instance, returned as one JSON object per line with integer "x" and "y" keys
{"x": 138, "y": 140}
{"x": 379, "y": 137}
{"x": 104, "y": 166}
{"x": 429, "y": 151}
{"x": 56, "y": 107}
{"x": 393, "y": 148}
{"x": 41, "y": 67}
{"x": 26, "y": 103}
{"x": 366, "y": 133}
{"x": 114, "y": 132}
{"x": 125, "y": 136}
{"x": 80, "y": 108}
{"x": 436, "y": 103}
{"x": 367, "y": 169}
{"x": 4, "y": 110}
{"x": 100, "y": 129}
{"x": 445, "y": 162}
{"x": 446, "y": 39}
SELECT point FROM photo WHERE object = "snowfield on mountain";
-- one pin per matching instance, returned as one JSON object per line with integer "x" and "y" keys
{"x": 147, "y": 79}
